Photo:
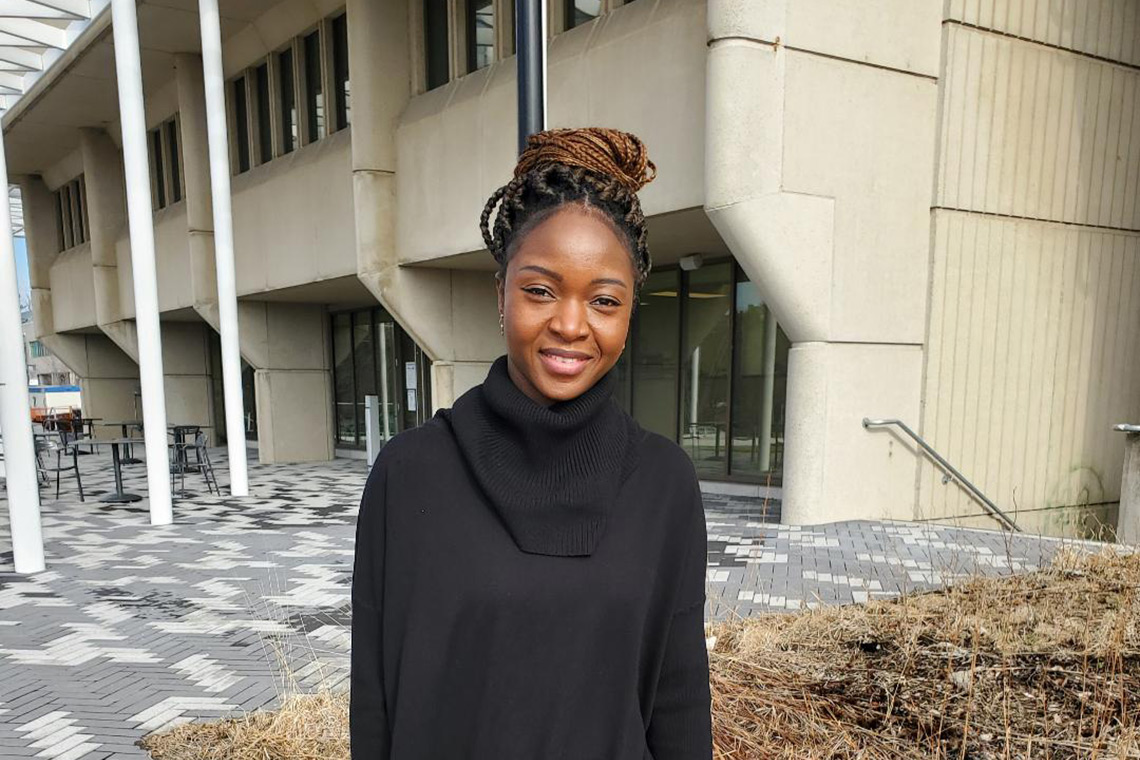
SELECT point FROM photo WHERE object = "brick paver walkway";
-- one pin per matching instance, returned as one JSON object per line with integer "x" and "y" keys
{"x": 135, "y": 628}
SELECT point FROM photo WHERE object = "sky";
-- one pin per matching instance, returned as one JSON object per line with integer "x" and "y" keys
{"x": 22, "y": 270}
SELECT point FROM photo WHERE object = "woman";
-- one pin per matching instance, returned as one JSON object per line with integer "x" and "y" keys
{"x": 530, "y": 564}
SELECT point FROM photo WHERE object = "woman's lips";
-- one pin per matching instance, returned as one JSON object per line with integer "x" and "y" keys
{"x": 560, "y": 365}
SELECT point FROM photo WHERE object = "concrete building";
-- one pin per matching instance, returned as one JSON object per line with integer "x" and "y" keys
{"x": 909, "y": 209}
{"x": 44, "y": 368}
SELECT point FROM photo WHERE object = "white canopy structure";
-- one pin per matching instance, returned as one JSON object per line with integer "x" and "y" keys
{"x": 32, "y": 34}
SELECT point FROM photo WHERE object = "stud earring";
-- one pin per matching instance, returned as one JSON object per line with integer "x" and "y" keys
{"x": 502, "y": 330}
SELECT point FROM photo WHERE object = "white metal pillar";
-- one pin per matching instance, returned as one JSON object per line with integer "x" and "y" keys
{"x": 223, "y": 241}
{"x": 128, "y": 72}
{"x": 15, "y": 411}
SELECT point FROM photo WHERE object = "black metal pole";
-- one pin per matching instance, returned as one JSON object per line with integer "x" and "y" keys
{"x": 530, "y": 44}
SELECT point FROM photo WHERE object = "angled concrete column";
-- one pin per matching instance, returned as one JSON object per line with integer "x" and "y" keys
{"x": 107, "y": 213}
{"x": 196, "y": 176}
{"x": 830, "y": 243}
{"x": 108, "y": 374}
{"x": 287, "y": 345}
{"x": 422, "y": 300}
{"x": 128, "y": 70}
{"x": 15, "y": 411}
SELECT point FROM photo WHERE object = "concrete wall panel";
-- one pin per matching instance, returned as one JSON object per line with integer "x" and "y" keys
{"x": 1104, "y": 28}
{"x": 293, "y": 218}
{"x": 1037, "y": 132}
{"x": 1032, "y": 359}
{"x": 172, "y": 259}
{"x": 73, "y": 290}
{"x": 862, "y": 136}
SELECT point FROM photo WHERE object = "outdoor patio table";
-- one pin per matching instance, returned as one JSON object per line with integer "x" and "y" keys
{"x": 119, "y": 496}
{"x": 179, "y": 432}
{"x": 125, "y": 426}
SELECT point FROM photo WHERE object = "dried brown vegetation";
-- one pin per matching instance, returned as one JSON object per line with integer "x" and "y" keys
{"x": 1040, "y": 665}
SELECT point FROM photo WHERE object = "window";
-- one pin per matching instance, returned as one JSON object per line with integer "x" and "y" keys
{"x": 435, "y": 42}
{"x": 279, "y": 102}
{"x": 241, "y": 125}
{"x": 164, "y": 145}
{"x": 707, "y": 367}
{"x": 264, "y": 122}
{"x": 655, "y": 367}
{"x": 174, "y": 150}
{"x": 578, "y": 12}
{"x": 340, "y": 71}
{"x": 373, "y": 356}
{"x": 480, "y": 34}
{"x": 38, "y": 350}
{"x": 287, "y": 93}
{"x": 314, "y": 91}
{"x": 71, "y": 214}
{"x": 159, "y": 171}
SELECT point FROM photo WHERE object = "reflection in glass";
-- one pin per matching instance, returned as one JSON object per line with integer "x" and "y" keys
{"x": 241, "y": 125}
{"x": 344, "y": 379}
{"x": 480, "y": 34}
{"x": 340, "y": 72}
{"x": 264, "y": 118}
{"x": 435, "y": 42}
{"x": 580, "y": 11}
{"x": 365, "y": 367}
{"x": 314, "y": 89}
{"x": 706, "y": 366}
{"x": 654, "y": 354}
{"x": 758, "y": 386}
{"x": 249, "y": 401}
{"x": 287, "y": 97}
{"x": 386, "y": 371}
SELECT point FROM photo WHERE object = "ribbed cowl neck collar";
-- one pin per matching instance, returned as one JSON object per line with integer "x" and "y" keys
{"x": 552, "y": 472}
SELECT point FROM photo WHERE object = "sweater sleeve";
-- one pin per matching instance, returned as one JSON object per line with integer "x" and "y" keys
{"x": 369, "y": 733}
{"x": 680, "y": 727}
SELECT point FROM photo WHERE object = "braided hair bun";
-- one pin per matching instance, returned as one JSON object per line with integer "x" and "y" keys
{"x": 609, "y": 152}
{"x": 594, "y": 167}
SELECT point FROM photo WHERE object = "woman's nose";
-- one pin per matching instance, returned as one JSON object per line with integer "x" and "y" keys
{"x": 569, "y": 320}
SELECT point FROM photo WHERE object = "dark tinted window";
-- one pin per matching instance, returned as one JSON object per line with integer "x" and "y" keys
{"x": 340, "y": 72}
{"x": 288, "y": 99}
{"x": 159, "y": 173}
{"x": 435, "y": 42}
{"x": 480, "y": 34}
{"x": 264, "y": 125}
{"x": 314, "y": 94}
{"x": 241, "y": 125}
{"x": 175, "y": 165}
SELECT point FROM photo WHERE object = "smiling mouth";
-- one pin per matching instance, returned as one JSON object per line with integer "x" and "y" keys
{"x": 563, "y": 365}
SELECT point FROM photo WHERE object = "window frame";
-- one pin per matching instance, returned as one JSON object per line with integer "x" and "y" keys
{"x": 233, "y": 119}
{"x": 305, "y": 115}
{"x": 260, "y": 152}
{"x": 166, "y": 189}
{"x": 72, "y": 222}
{"x": 336, "y": 120}
{"x": 285, "y": 147}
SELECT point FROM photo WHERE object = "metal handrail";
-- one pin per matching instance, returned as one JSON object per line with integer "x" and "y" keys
{"x": 1126, "y": 428}
{"x": 994, "y": 510}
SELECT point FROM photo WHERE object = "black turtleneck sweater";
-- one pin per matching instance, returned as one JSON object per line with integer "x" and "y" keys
{"x": 529, "y": 585}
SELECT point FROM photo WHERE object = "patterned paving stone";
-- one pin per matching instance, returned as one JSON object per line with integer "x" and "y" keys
{"x": 135, "y": 628}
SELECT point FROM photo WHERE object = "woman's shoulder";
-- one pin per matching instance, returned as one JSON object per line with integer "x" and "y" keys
{"x": 420, "y": 443}
{"x": 666, "y": 457}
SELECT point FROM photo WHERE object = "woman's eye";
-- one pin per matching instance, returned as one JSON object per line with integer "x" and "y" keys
{"x": 536, "y": 290}
{"x": 606, "y": 301}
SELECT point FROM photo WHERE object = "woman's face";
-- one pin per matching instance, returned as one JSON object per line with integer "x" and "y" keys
{"x": 566, "y": 305}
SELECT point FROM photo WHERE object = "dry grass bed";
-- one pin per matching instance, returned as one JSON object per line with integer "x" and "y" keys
{"x": 1042, "y": 665}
